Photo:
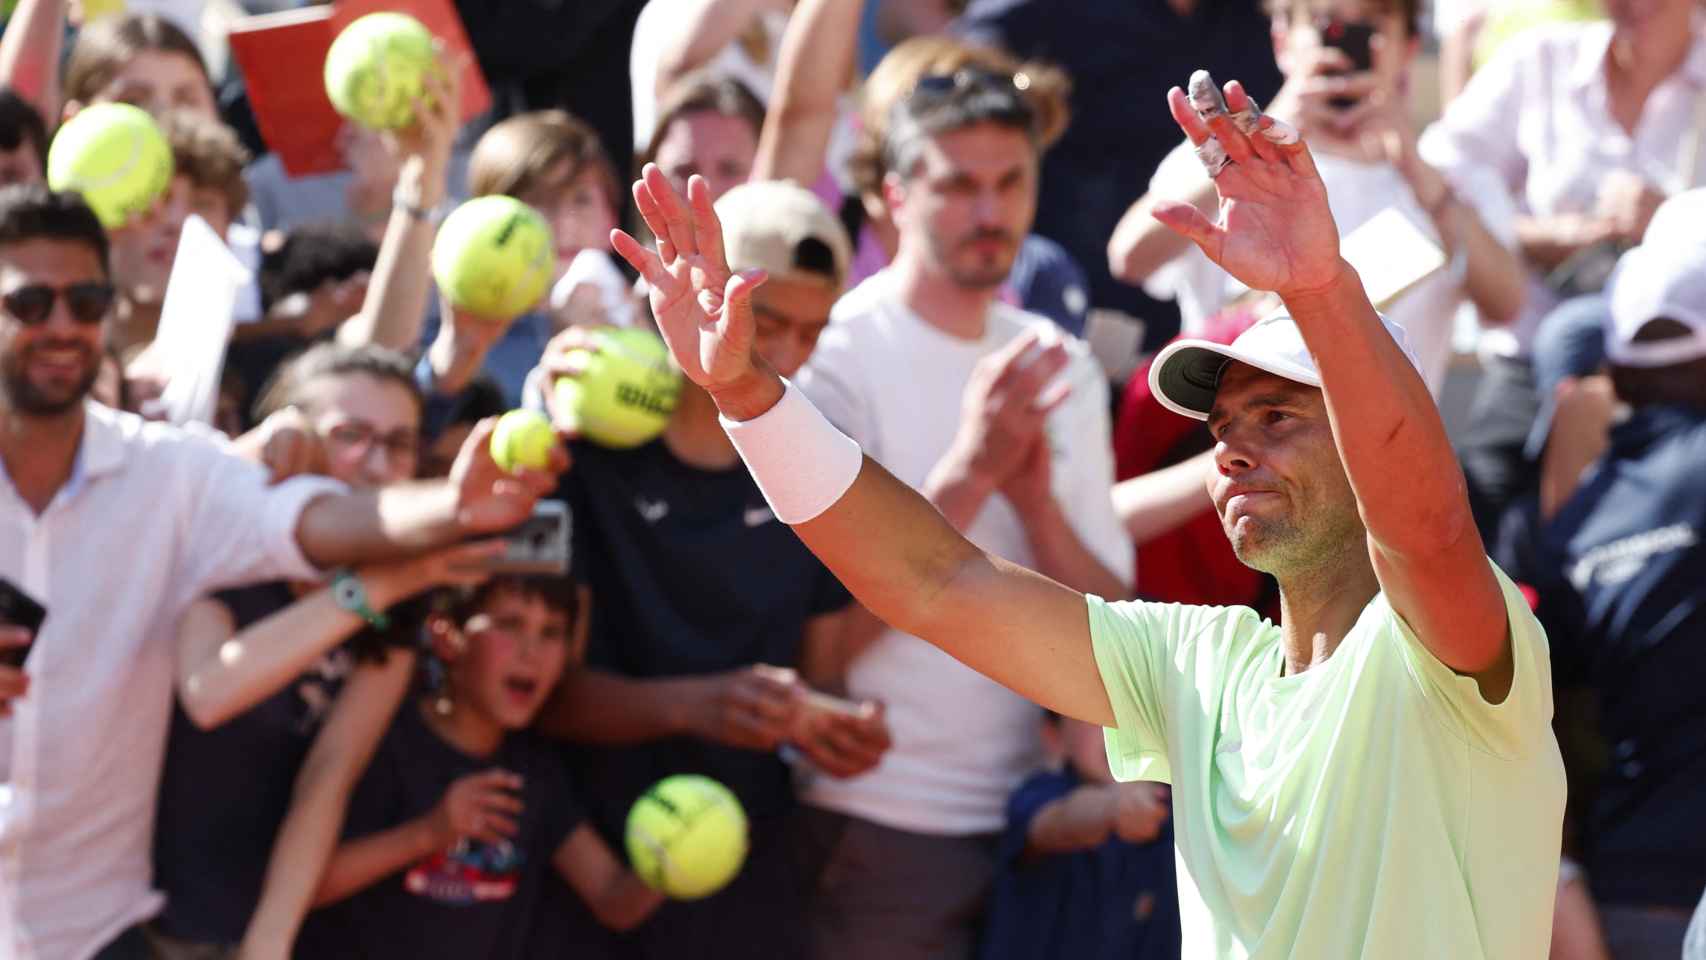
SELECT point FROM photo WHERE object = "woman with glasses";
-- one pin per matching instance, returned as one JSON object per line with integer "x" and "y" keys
{"x": 278, "y": 679}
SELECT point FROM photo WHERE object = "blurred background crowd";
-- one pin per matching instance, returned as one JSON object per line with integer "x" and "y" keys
{"x": 264, "y": 772}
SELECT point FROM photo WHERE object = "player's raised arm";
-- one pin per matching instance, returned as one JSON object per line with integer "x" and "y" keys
{"x": 885, "y": 542}
{"x": 1275, "y": 232}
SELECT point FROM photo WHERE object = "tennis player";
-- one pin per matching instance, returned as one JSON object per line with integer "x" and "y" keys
{"x": 1373, "y": 777}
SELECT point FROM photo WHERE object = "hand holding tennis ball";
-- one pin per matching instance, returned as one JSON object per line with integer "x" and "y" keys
{"x": 622, "y": 389}
{"x": 494, "y": 257}
{"x": 376, "y": 69}
{"x": 687, "y": 836}
{"x": 116, "y": 157}
{"x": 523, "y": 439}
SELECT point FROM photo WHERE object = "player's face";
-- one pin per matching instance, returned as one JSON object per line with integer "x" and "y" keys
{"x": 371, "y": 428}
{"x": 1278, "y": 485}
{"x": 790, "y": 315}
{"x": 48, "y": 366}
{"x": 714, "y": 145}
{"x": 517, "y": 646}
{"x": 969, "y": 202}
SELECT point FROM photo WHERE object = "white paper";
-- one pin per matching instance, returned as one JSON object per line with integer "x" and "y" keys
{"x": 1391, "y": 254}
{"x": 196, "y": 319}
{"x": 597, "y": 268}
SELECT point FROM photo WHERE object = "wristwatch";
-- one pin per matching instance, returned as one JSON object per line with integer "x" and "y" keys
{"x": 350, "y": 594}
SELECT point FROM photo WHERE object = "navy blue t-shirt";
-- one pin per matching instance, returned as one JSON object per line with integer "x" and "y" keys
{"x": 224, "y": 792}
{"x": 1622, "y": 586}
{"x": 691, "y": 573}
{"x": 1119, "y": 901}
{"x": 475, "y": 900}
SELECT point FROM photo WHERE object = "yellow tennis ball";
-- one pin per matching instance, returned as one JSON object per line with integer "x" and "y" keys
{"x": 627, "y": 392}
{"x": 115, "y": 156}
{"x": 494, "y": 257}
{"x": 523, "y": 439}
{"x": 377, "y": 67}
{"x": 687, "y": 836}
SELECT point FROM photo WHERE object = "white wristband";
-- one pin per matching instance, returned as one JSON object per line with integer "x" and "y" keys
{"x": 802, "y": 464}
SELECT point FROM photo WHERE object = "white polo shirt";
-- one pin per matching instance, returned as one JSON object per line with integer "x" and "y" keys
{"x": 152, "y": 518}
{"x": 1538, "y": 117}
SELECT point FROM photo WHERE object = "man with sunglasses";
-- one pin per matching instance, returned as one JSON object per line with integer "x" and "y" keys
{"x": 1376, "y": 776}
{"x": 1002, "y": 421}
{"x": 116, "y": 526}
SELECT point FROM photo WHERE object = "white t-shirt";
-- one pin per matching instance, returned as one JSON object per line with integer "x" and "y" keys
{"x": 1536, "y": 119}
{"x": 1356, "y": 192}
{"x": 152, "y": 518}
{"x": 654, "y": 22}
{"x": 894, "y": 383}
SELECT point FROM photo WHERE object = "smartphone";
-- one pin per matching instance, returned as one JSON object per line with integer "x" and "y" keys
{"x": 18, "y": 609}
{"x": 1355, "y": 39}
{"x": 540, "y": 544}
{"x": 829, "y": 703}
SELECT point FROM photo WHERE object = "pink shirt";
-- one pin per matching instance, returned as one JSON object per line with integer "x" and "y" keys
{"x": 1538, "y": 116}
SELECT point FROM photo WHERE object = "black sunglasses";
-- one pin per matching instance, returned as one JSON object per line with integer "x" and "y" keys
{"x": 33, "y": 304}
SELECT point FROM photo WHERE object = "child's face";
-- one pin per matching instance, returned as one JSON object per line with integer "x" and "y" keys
{"x": 516, "y": 647}
{"x": 160, "y": 80}
{"x": 143, "y": 251}
{"x": 577, "y": 208}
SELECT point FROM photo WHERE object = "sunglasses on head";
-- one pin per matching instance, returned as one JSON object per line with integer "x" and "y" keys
{"x": 966, "y": 79}
{"x": 33, "y": 304}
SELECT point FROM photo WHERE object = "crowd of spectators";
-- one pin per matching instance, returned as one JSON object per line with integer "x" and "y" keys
{"x": 278, "y": 708}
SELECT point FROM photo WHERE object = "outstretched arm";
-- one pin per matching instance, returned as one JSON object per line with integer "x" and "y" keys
{"x": 885, "y": 542}
{"x": 1275, "y": 233}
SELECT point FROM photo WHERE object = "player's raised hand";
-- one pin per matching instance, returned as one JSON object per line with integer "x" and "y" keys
{"x": 1275, "y": 231}
{"x": 703, "y": 310}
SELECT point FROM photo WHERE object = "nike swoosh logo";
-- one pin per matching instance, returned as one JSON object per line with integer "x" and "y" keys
{"x": 758, "y": 516}
{"x": 651, "y": 510}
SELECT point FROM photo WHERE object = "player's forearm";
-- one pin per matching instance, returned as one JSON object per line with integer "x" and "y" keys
{"x": 1409, "y": 487}
{"x": 377, "y": 525}
{"x": 815, "y": 64}
{"x": 360, "y": 864}
{"x": 1081, "y": 820}
{"x": 30, "y": 53}
{"x": 396, "y": 300}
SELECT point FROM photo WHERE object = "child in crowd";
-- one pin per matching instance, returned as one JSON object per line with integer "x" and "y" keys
{"x": 554, "y": 163}
{"x": 1087, "y": 863}
{"x": 453, "y": 829}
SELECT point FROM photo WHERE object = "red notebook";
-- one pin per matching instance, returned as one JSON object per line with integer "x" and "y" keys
{"x": 283, "y": 58}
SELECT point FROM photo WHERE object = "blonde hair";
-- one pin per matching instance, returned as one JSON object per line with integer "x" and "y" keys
{"x": 1045, "y": 90}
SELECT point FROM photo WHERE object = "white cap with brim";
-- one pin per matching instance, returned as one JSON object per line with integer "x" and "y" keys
{"x": 1655, "y": 281}
{"x": 1186, "y": 374}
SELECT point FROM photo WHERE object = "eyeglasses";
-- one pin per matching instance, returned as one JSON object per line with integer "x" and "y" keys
{"x": 357, "y": 438}
{"x": 33, "y": 304}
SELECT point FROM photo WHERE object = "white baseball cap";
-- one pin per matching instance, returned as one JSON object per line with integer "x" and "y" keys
{"x": 1651, "y": 281}
{"x": 1186, "y": 374}
{"x": 784, "y": 229}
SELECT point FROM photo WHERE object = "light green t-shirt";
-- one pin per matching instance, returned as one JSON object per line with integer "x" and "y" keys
{"x": 1374, "y": 806}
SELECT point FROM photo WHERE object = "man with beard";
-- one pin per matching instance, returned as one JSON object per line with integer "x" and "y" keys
{"x": 1002, "y": 422}
{"x": 116, "y": 526}
{"x": 1375, "y": 776}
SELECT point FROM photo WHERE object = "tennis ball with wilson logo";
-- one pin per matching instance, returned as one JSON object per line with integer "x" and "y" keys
{"x": 625, "y": 394}
{"x": 494, "y": 257}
